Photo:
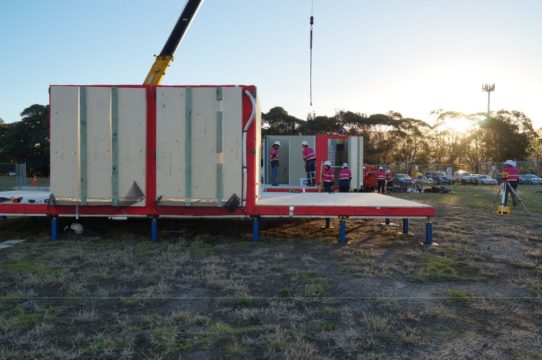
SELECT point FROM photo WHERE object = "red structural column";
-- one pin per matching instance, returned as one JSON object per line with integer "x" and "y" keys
{"x": 150, "y": 197}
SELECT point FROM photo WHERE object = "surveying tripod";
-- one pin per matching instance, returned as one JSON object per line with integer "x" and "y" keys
{"x": 502, "y": 209}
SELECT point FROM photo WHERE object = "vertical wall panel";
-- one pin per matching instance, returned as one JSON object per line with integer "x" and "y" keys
{"x": 132, "y": 108}
{"x": 204, "y": 155}
{"x": 212, "y": 170}
{"x": 65, "y": 175}
{"x": 99, "y": 160}
{"x": 170, "y": 146}
{"x": 231, "y": 140}
{"x": 355, "y": 159}
{"x": 258, "y": 124}
{"x": 296, "y": 162}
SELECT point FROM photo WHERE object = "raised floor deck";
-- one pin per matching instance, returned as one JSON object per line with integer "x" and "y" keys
{"x": 339, "y": 204}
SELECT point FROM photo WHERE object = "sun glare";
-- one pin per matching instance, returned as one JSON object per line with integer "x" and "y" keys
{"x": 460, "y": 124}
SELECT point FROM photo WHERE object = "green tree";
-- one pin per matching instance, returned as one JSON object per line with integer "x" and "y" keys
{"x": 510, "y": 135}
{"x": 281, "y": 123}
{"x": 28, "y": 140}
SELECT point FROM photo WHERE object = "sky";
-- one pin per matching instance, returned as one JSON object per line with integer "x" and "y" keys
{"x": 369, "y": 56}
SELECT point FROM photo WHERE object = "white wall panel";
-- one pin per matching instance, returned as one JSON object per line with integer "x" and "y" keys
{"x": 65, "y": 176}
{"x": 99, "y": 162}
{"x": 172, "y": 168}
{"x": 170, "y": 135}
{"x": 132, "y": 109}
{"x": 355, "y": 160}
{"x": 204, "y": 155}
{"x": 231, "y": 140}
{"x": 296, "y": 162}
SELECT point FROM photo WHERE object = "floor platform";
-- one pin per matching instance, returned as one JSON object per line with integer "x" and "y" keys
{"x": 371, "y": 205}
{"x": 269, "y": 204}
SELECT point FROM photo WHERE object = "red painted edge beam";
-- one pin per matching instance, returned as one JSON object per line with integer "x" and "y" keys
{"x": 42, "y": 209}
{"x": 218, "y": 211}
{"x": 345, "y": 211}
{"x": 17, "y": 209}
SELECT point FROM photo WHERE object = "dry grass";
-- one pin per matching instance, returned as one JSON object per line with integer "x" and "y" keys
{"x": 206, "y": 292}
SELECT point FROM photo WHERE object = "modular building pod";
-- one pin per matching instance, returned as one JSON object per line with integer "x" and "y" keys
{"x": 180, "y": 151}
{"x": 146, "y": 147}
{"x": 338, "y": 149}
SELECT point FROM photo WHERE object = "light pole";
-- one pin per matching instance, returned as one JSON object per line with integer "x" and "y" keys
{"x": 488, "y": 88}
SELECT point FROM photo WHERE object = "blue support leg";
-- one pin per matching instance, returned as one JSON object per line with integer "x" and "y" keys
{"x": 428, "y": 232}
{"x": 255, "y": 228}
{"x": 54, "y": 228}
{"x": 387, "y": 221}
{"x": 342, "y": 225}
{"x": 405, "y": 226}
{"x": 154, "y": 230}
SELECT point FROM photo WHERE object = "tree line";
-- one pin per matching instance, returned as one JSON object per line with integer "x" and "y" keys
{"x": 393, "y": 139}
{"x": 27, "y": 140}
{"x": 388, "y": 138}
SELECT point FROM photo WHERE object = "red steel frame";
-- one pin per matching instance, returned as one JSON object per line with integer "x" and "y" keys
{"x": 152, "y": 209}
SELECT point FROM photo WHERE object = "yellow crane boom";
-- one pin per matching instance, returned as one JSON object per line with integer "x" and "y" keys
{"x": 159, "y": 67}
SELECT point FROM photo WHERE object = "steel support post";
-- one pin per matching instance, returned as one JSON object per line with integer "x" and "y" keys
{"x": 255, "y": 228}
{"x": 328, "y": 223}
{"x": 342, "y": 231}
{"x": 154, "y": 230}
{"x": 428, "y": 232}
{"x": 405, "y": 226}
{"x": 342, "y": 226}
{"x": 54, "y": 228}
{"x": 387, "y": 221}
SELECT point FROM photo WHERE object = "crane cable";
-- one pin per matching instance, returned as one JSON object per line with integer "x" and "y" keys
{"x": 310, "y": 47}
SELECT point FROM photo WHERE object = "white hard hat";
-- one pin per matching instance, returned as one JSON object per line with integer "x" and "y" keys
{"x": 345, "y": 165}
{"x": 276, "y": 143}
{"x": 304, "y": 142}
{"x": 510, "y": 162}
{"x": 388, "y": 170}
{"x": 327, "y": 162}
{"x": 76, "y": 228}
{"x": 380, "y": 168}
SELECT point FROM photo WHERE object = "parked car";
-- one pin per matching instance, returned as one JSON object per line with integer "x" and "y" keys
{"x": 470, "y": 179}
{"x": 402, "y": 178}
{"x": 486, "y": 180}
{"x": 529, "y": 179}
{"x": 446, "y": 179}
{"x": 459, "y": 175}
{"x": 401, "y": 182}
{"x": 439, "y": 177}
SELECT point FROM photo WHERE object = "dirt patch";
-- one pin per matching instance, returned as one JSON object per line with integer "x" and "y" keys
{"x": 207, "y": 291}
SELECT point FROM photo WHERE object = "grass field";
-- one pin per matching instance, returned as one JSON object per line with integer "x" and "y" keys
{"x": 205, "y": 291}
{"x": 8, "y": 183}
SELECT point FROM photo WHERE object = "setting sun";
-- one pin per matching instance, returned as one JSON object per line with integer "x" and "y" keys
{"x": 459, "y": 124}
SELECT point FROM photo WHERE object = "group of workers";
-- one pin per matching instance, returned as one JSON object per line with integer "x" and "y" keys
{"x": 309, "y": 156}
{"x": 376, "y": 179}
{"x": 373, "y": 179}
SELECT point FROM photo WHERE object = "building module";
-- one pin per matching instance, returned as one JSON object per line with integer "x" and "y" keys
{"x": 149, "y": 151}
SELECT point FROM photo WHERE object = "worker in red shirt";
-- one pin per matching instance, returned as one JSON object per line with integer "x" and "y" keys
{"x": 381, "y": 180}
{"x": 328, "y": 177}
{"x": 369, "y": 180}
{"x": 310, "y": 162}
{"x": 389, "y": 180}
{"x": 274, "y": 157}
{"x": 510, "y": 176}
{"x": 345, "y": 175}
